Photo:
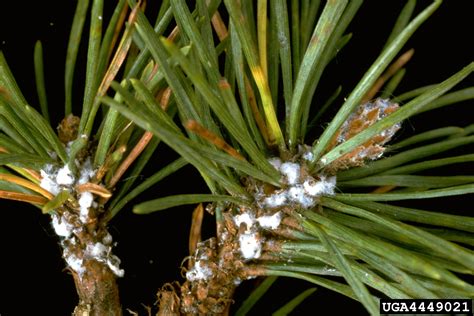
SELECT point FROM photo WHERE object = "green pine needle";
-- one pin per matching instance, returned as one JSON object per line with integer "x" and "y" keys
{"x": 369, "y": 79}
{"x": 175, "y": 200}
{"x": 233, "y": 87}
{"x": 291, "y": 305}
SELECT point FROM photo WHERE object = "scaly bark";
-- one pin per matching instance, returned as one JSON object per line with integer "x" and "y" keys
{"x": 97, "y": 290}
{"x": 87, "y": 251}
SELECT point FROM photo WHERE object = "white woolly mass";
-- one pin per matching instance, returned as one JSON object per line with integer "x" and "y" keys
{"x": 301, "y": 190}
{"x": 47, "y": 181}
{"x": 276, "y": 200}
{"x": 306, "y": 152}
{"x": 75, "y": 263}
{"x": 107, "y": 240}
{"x": 291, "y": 171}
{"x": 308, "y": 156}
{"x": 250, "y": 246}
{"x": 65, "y": 176}
{"x": 54, "y": 180}
{"x": 265, "y": 221}
{"x": 275, "y": 162}
{"x": 102, "y": 253}
{"x": 199, "y": 272}
{"x": 298, "y": 195}
{"x": 61, "y": 226}
{"x": 246, "y": 218}
{"x": 87, "y": 172}
{"x": 97, "y": 251}
{"x": 270, "y": 221}
{"x": 325, "y": 186}
{"x": 85, "y": 202}
{"x": 114, "y": 264}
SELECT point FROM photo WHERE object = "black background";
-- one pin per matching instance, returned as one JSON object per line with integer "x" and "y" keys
{"x": 32, "y": 279}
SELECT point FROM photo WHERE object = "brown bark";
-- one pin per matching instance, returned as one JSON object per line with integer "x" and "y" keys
{"x": 97, "y": 290}
{"x": 210, "y": 294}
{"x": 88, "y": 253}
